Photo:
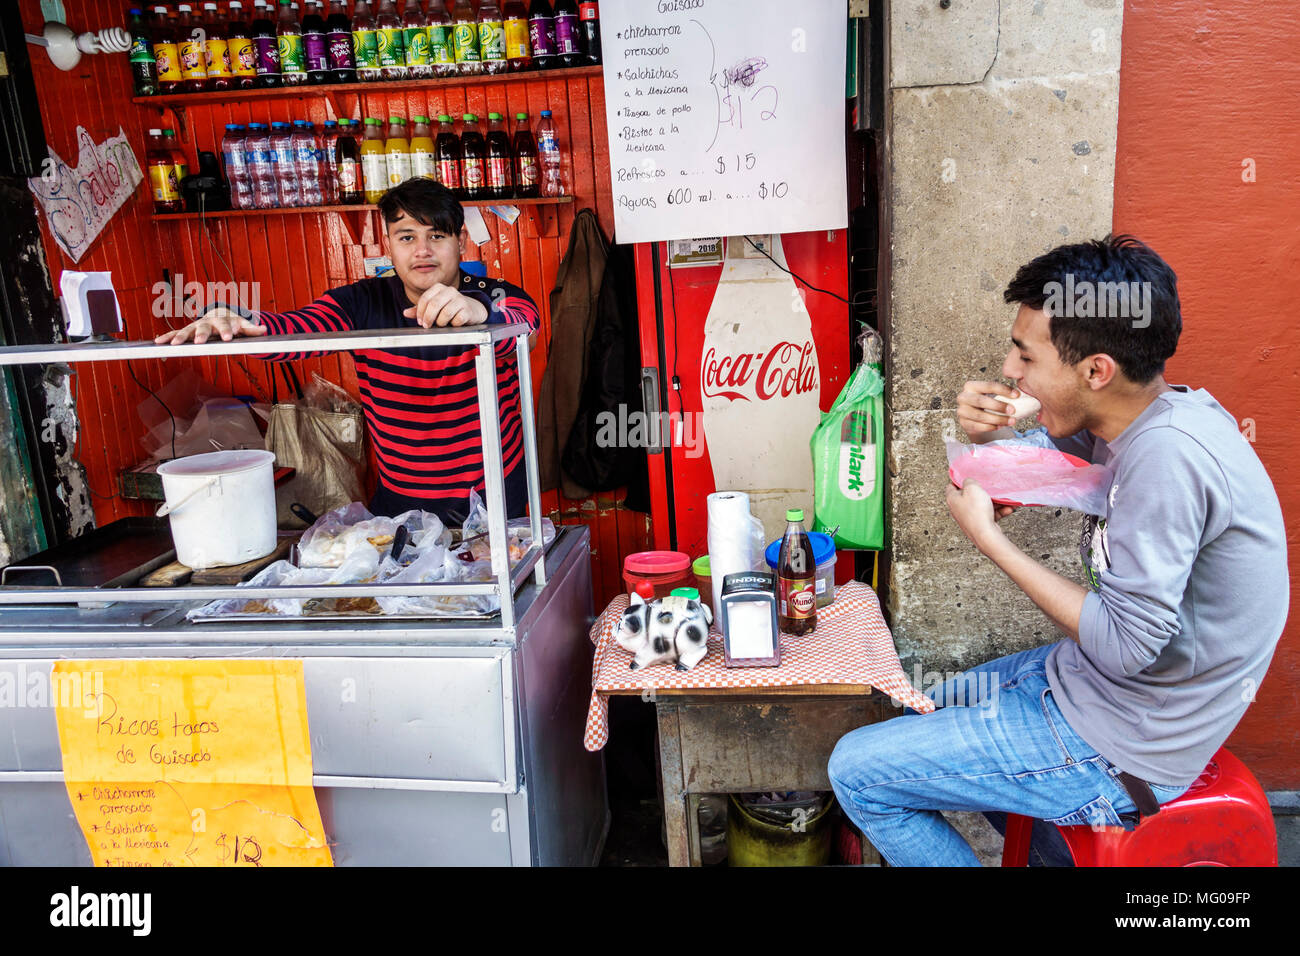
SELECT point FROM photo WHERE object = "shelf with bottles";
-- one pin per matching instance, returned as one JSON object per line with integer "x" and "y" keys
{"x": 182, "y": 100}
{"x": 537, "y": 216}
{"x": 218, "y": 56}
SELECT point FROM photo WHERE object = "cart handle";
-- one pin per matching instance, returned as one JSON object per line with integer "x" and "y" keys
{"x": 4, "y": 575}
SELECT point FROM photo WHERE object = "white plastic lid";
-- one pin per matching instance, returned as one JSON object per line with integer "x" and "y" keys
{"x": 155, "y": 132}
{"x": 183, "y": 8}
{"x": 215, "y": 463}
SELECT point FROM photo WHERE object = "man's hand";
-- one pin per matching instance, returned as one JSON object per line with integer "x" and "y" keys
{"x": 975, "y": 513}
{"x": 984, "y": 418}
{"x": 443, "y": 306}
{"x": 221, "y": 321}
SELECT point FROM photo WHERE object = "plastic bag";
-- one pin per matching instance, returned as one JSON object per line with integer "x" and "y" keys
{"x": 322, "y": 436}
{"x": 361, "y": 566}
{"x": 335, "y": 535}
{"x": 277, "y": 574}
{"x": 848, "y": 455}
{"x": 519, "y": 532}
{"x": 1030, "y": 470}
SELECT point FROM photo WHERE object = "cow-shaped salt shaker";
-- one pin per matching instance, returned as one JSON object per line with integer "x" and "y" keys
{"x": 673, "y": 628}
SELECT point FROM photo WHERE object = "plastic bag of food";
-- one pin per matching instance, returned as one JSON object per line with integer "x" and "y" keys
{"x": 335, "y": 535}
{"x": 361, "y": 566}
{"x": 425, "y": 531}
{"x": 1030, "y": 470}
{"x": 519, "y": 533}
{"x": 277, "y": 574}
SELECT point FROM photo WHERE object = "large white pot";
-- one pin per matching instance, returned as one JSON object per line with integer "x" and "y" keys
{"x": 221, "y": 506}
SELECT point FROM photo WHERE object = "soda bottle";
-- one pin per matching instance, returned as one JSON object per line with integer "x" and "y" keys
{"x": 465, "y": 38}
{"x": 306, "y": 162}
{"x": 144, "y": 71}
{"x": 541, "y": 33}
{"x": 500, "y": 160}
{"x": 162, "y": 175}
{"x": 421, "y": 148}
{"x": 527, "y": 171}
{"x": 392, "y": 47}
{"x": 338, "y": 44}
{"x": 515, "y": 22}
{"x": 415, "y": 38}
{"x": 566, "y": 34}
{"x": 235, "y": 161}
{"x": 796, "y": 572}
{"x": 548, "y": 153}
{"x": 374, "y": 167}
{"x": 285, "y": 160}
{"x": 268, "y": 48}
{"x": 177, "y": 154}
{"x": 589, "y": 32}
{"x": 491, "y": 37}
{"x": 473, "y": 160}
{"x": 365, "y": 43}
{"x": 446, "y": 152}
{"x": 166, "y": 57}
{"x": 327, "y": 164}
{"x": 239, "y": 44}
{"x": 288, "y": 32}
{"x": 442, "y": 43}
{"x": 217, "y": 48}
{"x": 397, "y": 152}
{"x": 193, "y": 51}
{"x": 347, "y": 156}
{"x": 314, "y": 46}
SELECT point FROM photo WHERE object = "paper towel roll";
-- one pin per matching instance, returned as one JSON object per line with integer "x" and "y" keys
{"x": 735, "y": 540}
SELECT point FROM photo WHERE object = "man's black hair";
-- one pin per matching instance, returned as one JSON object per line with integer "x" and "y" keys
{"x": 425, "y": 201}
{"x": 1139, "y": 346}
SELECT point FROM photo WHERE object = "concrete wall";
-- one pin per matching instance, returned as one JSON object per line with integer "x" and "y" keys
{"x": 1001, "y": 144}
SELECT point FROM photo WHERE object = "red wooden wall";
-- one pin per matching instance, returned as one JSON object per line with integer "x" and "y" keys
{"x": 1229, "y": 72}
{"x": 293, "y": 257}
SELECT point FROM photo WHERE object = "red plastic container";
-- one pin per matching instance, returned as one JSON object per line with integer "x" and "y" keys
{"x": 658, "y": 570}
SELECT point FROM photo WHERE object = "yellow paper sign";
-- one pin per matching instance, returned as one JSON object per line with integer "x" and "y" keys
{"x": 191, "y": 762}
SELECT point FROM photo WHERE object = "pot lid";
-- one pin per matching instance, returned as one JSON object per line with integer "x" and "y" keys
{"x": 217, "y": 463}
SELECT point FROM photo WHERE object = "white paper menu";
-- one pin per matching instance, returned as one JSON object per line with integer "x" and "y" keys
{"x": 725, "y": 117}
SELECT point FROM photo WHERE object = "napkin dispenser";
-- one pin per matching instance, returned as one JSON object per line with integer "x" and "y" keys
{"x": 89, "y": 304}
{"x": 750, "y": 630}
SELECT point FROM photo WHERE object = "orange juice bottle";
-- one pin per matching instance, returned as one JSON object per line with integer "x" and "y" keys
{"x": 421, "y": 148}
{"x": 398, "y": 152}
{"x": 374, "y": 168}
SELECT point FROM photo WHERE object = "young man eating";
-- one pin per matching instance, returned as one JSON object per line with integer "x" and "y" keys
{"x": 1186, "y": 596}
{"x": 420, "y": 404}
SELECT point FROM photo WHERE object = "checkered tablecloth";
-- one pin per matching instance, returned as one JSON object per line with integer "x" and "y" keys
{"x": 851, "y": 645}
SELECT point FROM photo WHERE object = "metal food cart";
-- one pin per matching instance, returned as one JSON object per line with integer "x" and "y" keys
{"x": 459, "y": 741}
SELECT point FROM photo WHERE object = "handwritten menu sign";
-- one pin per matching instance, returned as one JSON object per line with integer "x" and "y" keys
{"x": 724, "y": 117}
{"x": 191, "y": 763}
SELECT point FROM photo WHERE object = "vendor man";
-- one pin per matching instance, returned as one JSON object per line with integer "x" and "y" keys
{"x": 421, "y": 404}
{"x": 1185, "y": 600}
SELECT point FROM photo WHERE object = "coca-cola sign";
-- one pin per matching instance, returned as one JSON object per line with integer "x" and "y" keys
{"x": 787, "y": 368}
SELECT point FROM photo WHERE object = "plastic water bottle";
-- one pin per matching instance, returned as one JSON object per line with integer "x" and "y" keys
{"x": 284, "y": 156}
{"x": 306, "y": 149}
{"x": 261, "y": 166}
{"x": 236, "y": 162}
{"x": 548, "y": 152}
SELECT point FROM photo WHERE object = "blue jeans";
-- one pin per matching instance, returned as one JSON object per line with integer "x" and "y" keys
{"x": 997, "y": 743}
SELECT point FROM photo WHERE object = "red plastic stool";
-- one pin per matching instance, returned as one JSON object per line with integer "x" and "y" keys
{"x": 1222, "y": 820}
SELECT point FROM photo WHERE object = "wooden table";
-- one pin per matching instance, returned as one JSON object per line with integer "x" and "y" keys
{"x": 739, "y": 740}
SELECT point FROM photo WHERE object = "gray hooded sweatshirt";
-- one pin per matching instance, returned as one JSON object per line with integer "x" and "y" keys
{"x": 1188, "y": 591}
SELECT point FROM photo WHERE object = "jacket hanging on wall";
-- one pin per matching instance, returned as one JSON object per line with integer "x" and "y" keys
{"x": 589, "y": 370}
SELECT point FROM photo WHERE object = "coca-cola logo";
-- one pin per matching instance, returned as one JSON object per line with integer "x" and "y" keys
{"x": 787, "y": 368}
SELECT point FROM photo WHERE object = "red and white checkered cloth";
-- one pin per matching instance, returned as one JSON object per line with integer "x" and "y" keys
{"x": 851, "y": 645}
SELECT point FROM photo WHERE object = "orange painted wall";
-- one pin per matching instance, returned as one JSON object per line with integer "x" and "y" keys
{"x": 298, "y": 256}
{"x": 1203, "y": 87}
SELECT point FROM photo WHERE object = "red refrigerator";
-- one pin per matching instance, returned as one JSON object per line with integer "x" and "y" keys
{"x": 740, "y": 358}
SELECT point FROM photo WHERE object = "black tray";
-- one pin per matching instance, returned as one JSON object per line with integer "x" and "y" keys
{"x": 116, "y": 555}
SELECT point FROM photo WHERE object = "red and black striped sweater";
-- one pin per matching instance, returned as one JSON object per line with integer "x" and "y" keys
{"x": 421, "y": 404}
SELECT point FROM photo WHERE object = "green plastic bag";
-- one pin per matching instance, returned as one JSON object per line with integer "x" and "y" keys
{"x": 849, "y": 464}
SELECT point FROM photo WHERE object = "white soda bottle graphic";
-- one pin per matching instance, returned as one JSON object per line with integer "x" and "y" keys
{"x": 760, "y": 387}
